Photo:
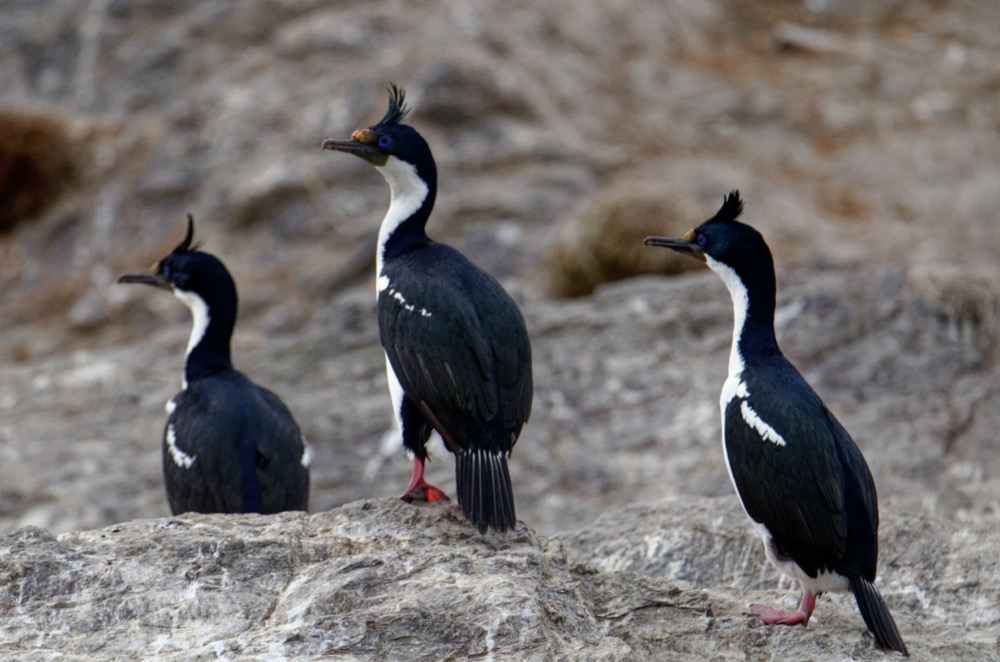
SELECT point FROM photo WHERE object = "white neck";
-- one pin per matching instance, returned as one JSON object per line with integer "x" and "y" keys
{"x": 407, "y": 192}
{"x": 741, "y": 304}
{"x": 200, "y": 316}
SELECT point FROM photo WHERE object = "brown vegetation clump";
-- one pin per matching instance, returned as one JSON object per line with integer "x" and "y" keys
{"x": 601, "y": 241}
{"x": 36, "y": 165}
{"x": 966, "y": 298}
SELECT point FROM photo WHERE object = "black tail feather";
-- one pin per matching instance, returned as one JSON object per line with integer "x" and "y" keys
{"x": 484, "y": 490}
{"x": 876, "y": 615}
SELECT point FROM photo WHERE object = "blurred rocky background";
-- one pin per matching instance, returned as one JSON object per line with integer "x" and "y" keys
{"x": 863, "y": 136}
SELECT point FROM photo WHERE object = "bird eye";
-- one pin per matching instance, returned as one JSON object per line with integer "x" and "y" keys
{"x": 701, "y": 239}
{"x": 384, "y": 140}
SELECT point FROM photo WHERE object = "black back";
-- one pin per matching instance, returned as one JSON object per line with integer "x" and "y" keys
{"x": 229, "y": 445}
{"x": 795, "y": 468}
{"x": 246, "y": 447}
{"x": 454, "y": 339}
{"x": 815, "y": 494}
{"x": 459, "y": 347}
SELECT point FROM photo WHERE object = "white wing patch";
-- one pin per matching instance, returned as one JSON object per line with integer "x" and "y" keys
{"x": 733, "y": 387}
{"x": 171, "y": 406}
{"x": 307, "y": 454}
{"x": 180, "y": 458}
{"x": 409, "y": 307}
{"x": 752, "y": 419}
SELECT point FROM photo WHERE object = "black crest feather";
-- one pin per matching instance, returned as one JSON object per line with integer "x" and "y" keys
{"x": 398, "y": 110}
{"x": 731, "y": 208}
{"x": 186, "y": 246}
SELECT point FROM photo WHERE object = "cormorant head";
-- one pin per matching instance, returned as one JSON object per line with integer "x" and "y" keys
{"x": 722, "y": 239}
{"x": 390, "y": 139}
{"x": 188, "y": 270}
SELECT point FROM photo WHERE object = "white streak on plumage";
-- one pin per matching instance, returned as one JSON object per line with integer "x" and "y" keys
{"x": 307, "y": 455}
{"x": 180, "y": 458}
{"x": 408, "y": 307}
{"x": 395, "y": 393}
{"x": 754, "y": 420}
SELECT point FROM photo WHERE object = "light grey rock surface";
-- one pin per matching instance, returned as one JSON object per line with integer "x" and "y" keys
{"x": 385, "y": 580}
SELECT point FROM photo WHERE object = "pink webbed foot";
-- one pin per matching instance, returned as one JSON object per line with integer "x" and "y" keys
{"x": 424, "y": 491}
{"x": 773, "y": 616}
{"x": 419, "y": 489}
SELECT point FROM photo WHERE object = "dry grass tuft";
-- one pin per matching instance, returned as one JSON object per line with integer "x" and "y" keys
{"x": 964, "y": 297}
{"x": 36, "y": 165}
{"x": 602, "y": 241}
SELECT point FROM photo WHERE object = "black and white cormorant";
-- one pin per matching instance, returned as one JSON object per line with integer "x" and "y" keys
{"x": 800, "y": 476}
{"x": 458, "y": 359}
{"x": 229, "y": 446}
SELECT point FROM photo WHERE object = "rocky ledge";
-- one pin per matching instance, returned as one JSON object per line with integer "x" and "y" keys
{"x": 380, "y": 579}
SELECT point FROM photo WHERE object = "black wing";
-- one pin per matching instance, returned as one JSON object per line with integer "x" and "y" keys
{"x": 459, "y": 347}
{"x": 232, "y": 447}
{"x": 280, "y": 448}
{"x": 197, "y": 476}
{"x": 814, "y": 493}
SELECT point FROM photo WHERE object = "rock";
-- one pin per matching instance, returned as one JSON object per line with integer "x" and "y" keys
{"x": 938, "y": 583}
{"x": 388, "y": 580}
{"x": 371, "y": 580}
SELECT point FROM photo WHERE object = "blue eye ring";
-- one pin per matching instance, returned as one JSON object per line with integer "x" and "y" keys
{"x": 384, "y": 140}
{"x": 701, "y": 240}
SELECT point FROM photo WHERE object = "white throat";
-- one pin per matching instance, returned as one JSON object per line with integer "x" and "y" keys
{"x": 741, "y": 304}
{"x": 200, "y": 316}
{"x": 734, "y": 386}
{"x": 407, "y": 192}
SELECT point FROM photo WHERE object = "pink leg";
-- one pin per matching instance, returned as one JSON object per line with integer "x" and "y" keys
{"x": 773, "y": 616}
{"x": 419, "y": 489}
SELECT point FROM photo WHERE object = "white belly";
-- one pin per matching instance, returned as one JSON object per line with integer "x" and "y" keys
{"x": 396, "y": 393}
{"x": 824, "y": 582}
